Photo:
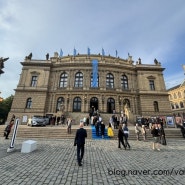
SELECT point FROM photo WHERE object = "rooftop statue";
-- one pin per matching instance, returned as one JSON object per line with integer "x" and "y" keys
{"x": 47, "y": 56}
{"x": 29, "y": 56}
{"x": 155, "y": 61}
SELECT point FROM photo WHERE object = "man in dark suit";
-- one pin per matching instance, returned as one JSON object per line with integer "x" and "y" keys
{"x": 81, "y": 134}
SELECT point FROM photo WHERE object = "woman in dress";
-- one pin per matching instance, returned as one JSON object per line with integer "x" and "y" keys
{"x": 110, "y": 132}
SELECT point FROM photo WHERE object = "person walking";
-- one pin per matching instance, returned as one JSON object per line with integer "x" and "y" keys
{"x": 126, "y": 133}
{"x": 81, "y": 134}
{"x": 120, "y": 137}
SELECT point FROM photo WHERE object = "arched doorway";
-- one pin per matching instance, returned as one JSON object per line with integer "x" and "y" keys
{"x": 94, "y": 103}
{"x": 110, "y": 105}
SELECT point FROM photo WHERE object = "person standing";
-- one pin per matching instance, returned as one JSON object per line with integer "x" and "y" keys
{"x": 120, "y": 137}
{"x": 69, "y": 123}
{"x": 97, "y": 126}
{"x": 124, "y": 119}
{"x": 137, "y": 131}
{"x": 9, "y": 127}
{"x": 81, "y": 134}
{"x": 110, "y": 132}
{"x": 143, "y": 132}
{"x": 126, "y": 133}
{"x": 102, "y": 129}
{"x": 162, "y": 137}
{"x": 155, "y": 133}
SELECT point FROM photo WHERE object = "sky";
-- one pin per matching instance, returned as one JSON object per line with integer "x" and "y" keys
{"x": 145, "y": 29}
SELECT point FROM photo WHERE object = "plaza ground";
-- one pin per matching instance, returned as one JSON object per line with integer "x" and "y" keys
{"x": 54, "y": 163}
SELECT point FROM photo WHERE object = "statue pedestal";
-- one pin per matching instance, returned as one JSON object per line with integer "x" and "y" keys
{"x": 60, "y": 113}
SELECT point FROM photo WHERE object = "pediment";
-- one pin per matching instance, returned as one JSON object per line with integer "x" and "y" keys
{"x": 151, "y": 77}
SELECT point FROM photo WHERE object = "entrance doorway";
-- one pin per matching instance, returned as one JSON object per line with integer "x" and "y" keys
{"x": 94, "y": 103}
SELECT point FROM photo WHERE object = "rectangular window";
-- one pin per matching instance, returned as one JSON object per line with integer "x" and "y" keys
{"x": 63, "y": 83}
{"x": 151, "y": 84}
{"x": 79, "y": 83}
{"x": 34, "y": 81}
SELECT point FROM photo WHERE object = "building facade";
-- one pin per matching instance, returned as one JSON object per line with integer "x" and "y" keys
{"x": 80, "y": 82}
{"x": 177, "y": 102}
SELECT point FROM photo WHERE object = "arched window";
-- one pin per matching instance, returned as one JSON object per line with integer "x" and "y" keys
{"x": 172, "y": 106}
{"x": 179, "y": 94}
{"x": 59, "y": 102}
{"x": 156, "y": 107}
{"x": 124, "y": 82}
{"x": 174, "y": 96}
{"x": 77, "y": 104}
{"x": 170, "y": 97}
{"x": 79, "y": 79}
{"x": 110, "y": 105}
{"x": 110, "y": 81}
{"x": 181, "y": 105}
{"x": 176, "y": 106}
{"x": 93, "y": 83}
{"x": 28, "y": 103}
{"x": 63, "y": 80}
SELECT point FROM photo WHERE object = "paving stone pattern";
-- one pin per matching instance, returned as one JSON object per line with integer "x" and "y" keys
{"x": 54, "y": 163}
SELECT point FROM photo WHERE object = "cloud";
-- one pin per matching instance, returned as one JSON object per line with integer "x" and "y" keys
{"x": 145, "y": 29}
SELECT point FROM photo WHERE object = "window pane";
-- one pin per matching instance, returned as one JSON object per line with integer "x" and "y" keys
{"x": 77, "y": 105}
{"x": 33, "y": 81}
{"x": 78, "y": 80}
{"x": 63, "y": 80}
{"x": 110, "y": 81}
{"x": 97, "y": 82}
{"x": 28, "y": 103}
{"x": 124, "y": 82}
{"x": 152, "y": 86}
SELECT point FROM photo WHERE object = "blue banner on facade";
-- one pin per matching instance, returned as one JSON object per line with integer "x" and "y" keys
{"x": 95, "y": 73}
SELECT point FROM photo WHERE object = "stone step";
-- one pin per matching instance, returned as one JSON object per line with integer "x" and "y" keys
{"x": 60, "y": 132}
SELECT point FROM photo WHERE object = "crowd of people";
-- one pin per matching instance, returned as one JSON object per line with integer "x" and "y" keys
{"x": 117, "y": 124}
{"x": 156, "y": 129}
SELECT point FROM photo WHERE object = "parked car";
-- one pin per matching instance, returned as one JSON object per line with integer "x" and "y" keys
{"x": 37, "y": 121}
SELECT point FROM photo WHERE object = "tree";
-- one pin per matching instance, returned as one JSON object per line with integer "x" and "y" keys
{"x": 5, "y": 107}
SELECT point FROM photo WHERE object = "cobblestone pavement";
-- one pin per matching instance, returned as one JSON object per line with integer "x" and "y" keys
{"x": 54, "y": 163}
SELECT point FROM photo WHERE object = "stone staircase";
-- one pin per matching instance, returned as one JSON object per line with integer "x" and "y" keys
{"x": 60, "y": 132}
{"x": 94, "y": 136}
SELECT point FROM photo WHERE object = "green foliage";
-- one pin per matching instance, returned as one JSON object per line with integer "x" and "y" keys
{"x": 5, "y": 107}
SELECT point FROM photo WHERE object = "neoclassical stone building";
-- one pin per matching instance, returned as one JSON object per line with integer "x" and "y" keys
{"x": 82, "y": 81}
